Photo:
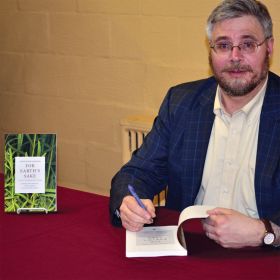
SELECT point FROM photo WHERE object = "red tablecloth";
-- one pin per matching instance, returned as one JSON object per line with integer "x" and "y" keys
{"x": 78, "y": 242}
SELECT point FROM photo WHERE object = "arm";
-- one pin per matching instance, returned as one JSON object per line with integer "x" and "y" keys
{"x": 232, "y": 229}
{"x": 147, "y": 169}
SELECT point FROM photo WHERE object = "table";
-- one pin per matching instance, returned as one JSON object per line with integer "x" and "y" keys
{"x": 78, "y": 242}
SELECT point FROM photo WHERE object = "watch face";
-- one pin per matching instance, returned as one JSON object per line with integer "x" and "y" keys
{"x": 269, "y": 238}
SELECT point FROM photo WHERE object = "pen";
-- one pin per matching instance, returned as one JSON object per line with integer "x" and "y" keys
{"x": 134, "y": 194}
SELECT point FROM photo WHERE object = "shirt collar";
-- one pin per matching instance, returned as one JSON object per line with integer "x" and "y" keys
{"x": 251, "y": 109}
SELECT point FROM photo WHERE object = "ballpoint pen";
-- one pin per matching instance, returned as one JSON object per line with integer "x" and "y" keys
{"x": 134, "y": 194}
{"x": 139, "y": 201}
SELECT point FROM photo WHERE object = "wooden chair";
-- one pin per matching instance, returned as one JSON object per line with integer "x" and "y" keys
{"x": 134, "y": 129}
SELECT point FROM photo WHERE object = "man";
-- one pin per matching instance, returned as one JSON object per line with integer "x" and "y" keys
{"x": 216, "y": 141}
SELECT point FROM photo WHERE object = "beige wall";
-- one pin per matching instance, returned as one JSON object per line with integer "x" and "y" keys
{"x": 76, "y": 67}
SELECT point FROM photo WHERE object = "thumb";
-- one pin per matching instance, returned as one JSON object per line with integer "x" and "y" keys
{"x": 219, "y": 211}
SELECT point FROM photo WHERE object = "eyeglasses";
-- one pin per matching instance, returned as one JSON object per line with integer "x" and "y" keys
{"x": 248, "y": 47}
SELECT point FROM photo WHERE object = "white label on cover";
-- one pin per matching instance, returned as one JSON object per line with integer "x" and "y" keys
{"x": 29, "y": 174}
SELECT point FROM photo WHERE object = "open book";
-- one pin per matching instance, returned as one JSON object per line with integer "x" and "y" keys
{"x": 163, "y": 240}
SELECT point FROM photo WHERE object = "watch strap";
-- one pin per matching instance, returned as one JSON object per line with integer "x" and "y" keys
{"x": 267, "y": 224}
{"x": 268, "y": 232}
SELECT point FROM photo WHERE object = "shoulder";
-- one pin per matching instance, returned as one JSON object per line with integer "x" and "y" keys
{"x": 273, "y": 85}
{"x": 192, "y": 94}
{"x": 271, "y": 103}
{"x": 195, "y": 84}
{"x": 273, "y": 80}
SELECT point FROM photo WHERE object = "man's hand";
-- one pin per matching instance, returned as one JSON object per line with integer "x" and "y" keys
{"x": 133, "y": 216}
{"x": 231, "y": 229}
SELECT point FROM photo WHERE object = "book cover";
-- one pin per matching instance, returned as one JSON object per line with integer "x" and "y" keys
{"x": 30, "y": 172}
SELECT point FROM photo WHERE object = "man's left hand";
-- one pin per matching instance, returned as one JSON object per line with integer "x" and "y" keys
{"x": 231, "y": 229}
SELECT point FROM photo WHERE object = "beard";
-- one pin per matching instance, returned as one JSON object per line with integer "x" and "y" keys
{"x": 239, "y": 86}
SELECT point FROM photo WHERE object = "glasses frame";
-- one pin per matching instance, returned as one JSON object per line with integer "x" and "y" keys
{"x": 228, "y": 51}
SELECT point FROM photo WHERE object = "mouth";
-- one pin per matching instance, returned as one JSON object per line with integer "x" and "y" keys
{"x": 237, "y": 71}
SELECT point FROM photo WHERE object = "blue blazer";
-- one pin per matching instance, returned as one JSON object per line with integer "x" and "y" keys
{"x": 174, "y": 152}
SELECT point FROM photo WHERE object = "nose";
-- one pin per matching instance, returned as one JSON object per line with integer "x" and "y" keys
{"x": 236, "y": 53}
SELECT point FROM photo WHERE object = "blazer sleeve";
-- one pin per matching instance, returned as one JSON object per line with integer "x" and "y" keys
{"x": 147, "y": 169}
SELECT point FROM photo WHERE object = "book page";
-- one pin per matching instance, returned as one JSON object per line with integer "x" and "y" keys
{"x": 153, "y": 242}
{"x": 195, "y": 211}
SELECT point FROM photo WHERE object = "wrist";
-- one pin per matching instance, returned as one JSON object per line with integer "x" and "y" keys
{"x": 261, "y": 232}
{"x": 269, "y": 236}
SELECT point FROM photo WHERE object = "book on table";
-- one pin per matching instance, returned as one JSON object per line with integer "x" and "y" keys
{"x": 30, "y": 173}
{"x": 156, "y": 241}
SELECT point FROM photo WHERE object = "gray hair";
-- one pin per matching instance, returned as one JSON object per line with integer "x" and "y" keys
{"x": 230, "y": 9}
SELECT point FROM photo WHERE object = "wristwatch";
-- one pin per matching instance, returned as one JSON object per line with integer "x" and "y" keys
{"x": 269, "y": 235}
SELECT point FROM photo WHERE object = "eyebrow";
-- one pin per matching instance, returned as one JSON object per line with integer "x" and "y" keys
{"x": 244, "y": 37}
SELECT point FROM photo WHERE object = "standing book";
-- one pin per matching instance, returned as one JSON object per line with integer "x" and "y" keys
{"x": 30, "y": 173}
{"x": 157, "y": 241}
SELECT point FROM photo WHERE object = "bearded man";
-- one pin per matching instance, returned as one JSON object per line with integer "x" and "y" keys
{"x": 216, "y": 141}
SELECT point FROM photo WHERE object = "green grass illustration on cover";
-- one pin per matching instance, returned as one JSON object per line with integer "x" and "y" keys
{"x": 30, "y": 173}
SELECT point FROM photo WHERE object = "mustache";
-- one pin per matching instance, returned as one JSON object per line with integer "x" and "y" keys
{"x": 237, "y": 67}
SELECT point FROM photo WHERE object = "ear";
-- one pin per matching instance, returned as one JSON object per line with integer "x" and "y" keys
{"x": 270, "y": 44}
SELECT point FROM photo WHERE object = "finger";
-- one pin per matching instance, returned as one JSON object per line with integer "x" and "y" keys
{"x": 129, "y": 223}
{"x": 148, "y": 214}
{"x": 130, "y": 205}
{"x": 135, "y": 208}
{"x": 131, "y": 213}
{"x": 209, "y": 227}
{"x": 150, "y": 207}
{"x": 130, "y": 227}
{"x": 133, "y": 216}
{"x": 209, "y": 221}
{"x": 219, "y": 211}
{"x": 212, "y": 235}
{"x": 208, "y": 234}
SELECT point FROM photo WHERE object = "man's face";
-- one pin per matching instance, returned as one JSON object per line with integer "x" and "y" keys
{"x": 238, "y": 73}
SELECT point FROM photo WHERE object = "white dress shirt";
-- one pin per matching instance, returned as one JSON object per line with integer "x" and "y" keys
{"x": 229, "y": 171}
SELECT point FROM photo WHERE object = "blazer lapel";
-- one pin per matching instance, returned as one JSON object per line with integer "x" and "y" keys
{"x": 268, "y": 152}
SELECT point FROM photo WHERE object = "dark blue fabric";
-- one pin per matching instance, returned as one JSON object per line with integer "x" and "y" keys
{"x": 174, "y": 151}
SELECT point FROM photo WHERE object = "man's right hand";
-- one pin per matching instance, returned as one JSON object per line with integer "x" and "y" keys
{"x": 133, "y": 216}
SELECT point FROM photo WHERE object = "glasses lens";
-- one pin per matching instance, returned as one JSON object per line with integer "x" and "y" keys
{"x": 222, "y": 47}
{"x": 248, "y": 47}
